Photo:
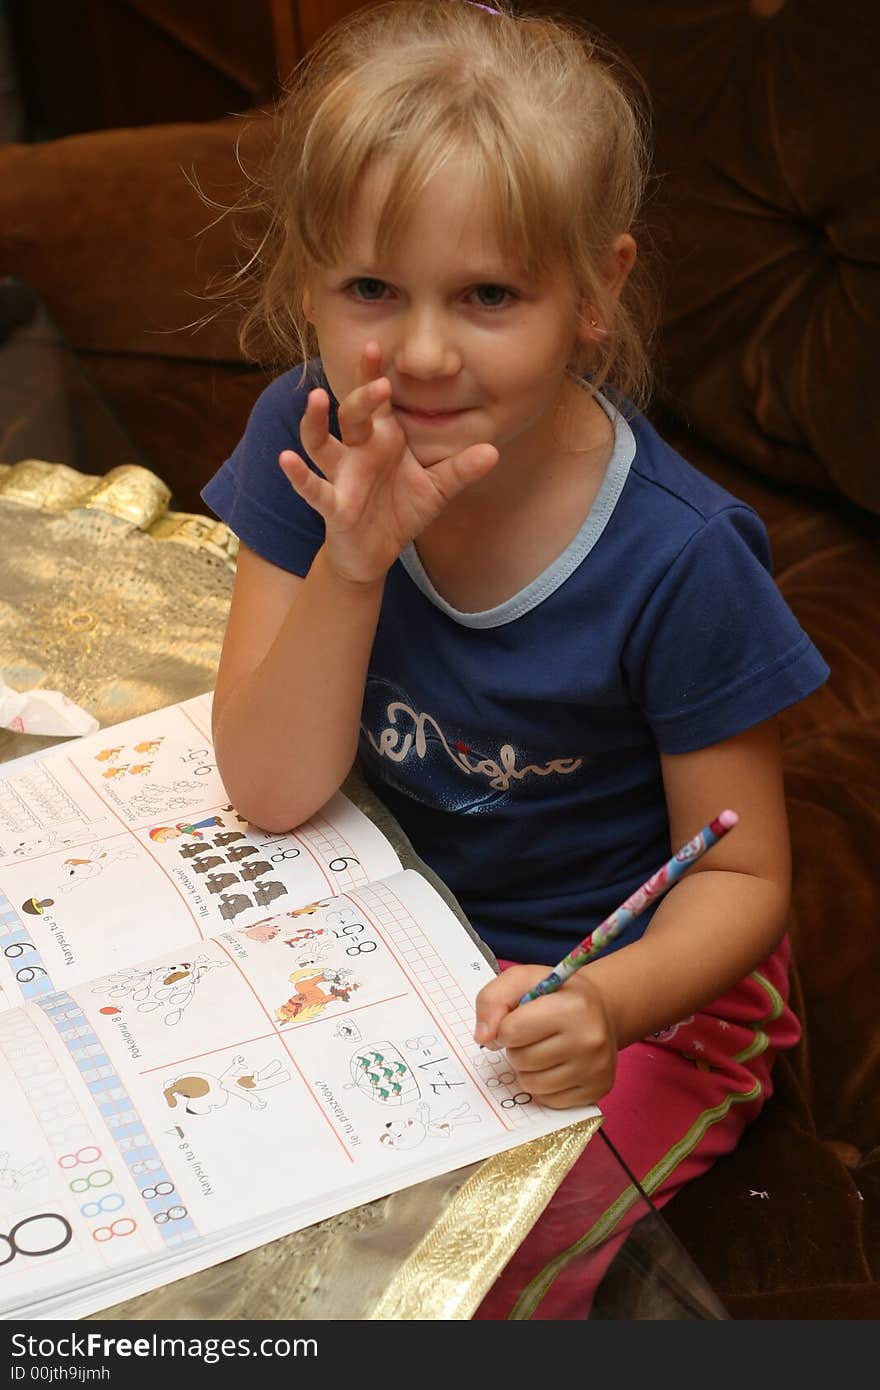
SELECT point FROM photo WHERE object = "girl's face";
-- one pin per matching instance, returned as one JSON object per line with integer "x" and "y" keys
{"x": 474, "y": 351}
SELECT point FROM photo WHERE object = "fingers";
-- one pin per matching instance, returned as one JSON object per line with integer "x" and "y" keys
{"x": 451, "y": 476}
{"x": 568, "y": 1083}
{"x": 371, "y": 396}
{"x": 306, "y": 483}
{"x": 314, "y": 431}
{"x": 497, "y": 999}
{"x": 570, "y": 1097}
{"x": 370, "y": 365}
{"x": 357, "y": 411}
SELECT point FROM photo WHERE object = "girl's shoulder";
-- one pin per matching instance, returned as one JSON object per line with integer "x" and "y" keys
{"x": 282, "y": 403}
{"x": 249, "y": 491}
{"x": 677, "y": 489}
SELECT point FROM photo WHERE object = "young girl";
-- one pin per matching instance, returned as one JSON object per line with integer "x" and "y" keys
{"x": 556, "y": 647}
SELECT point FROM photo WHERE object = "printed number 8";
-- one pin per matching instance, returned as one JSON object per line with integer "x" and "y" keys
{"x": 78, "y": 1157}
{"x": 12, "y": 1238}
{"x": 83, "y": 1184}
{"x": 172, "y": 1214}
{"x": 98, "y": 1208}
{"x": 101, "y": 1238}
{"x": 161, "y": 1189}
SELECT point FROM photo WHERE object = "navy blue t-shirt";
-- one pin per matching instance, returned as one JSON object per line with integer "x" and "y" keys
{"x": 519, "y": 747}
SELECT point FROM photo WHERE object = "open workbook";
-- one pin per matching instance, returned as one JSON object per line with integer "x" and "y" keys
{"x": 211, "y": 1036}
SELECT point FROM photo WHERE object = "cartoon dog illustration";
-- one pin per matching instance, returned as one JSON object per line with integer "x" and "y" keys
{"x": 202, "y": 1092}
{"x": 77, "y": 871}
{"x": 169, "y": 988}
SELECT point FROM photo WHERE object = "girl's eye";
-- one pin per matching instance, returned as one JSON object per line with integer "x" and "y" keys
{"x": 368, "y": 289}
{"x": 493, "y": 296}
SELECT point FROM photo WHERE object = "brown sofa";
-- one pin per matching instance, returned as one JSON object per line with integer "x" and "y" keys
{"x": 767, "y": 215}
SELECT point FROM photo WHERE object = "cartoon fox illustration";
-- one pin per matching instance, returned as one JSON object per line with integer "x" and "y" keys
{"x": 315, "y": 990}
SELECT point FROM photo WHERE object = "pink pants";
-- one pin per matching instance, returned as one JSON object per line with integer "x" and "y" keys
{"x": 681, "y": 1099}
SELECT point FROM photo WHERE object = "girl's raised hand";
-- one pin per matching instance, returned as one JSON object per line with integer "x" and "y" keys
{"x": 375, "y": 496}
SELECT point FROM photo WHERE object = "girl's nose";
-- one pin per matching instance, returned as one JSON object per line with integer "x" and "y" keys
{"x": 426, "y": 347}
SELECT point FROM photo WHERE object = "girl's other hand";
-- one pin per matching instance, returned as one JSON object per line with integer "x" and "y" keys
{"x": 375, "y": 496}
{"x": 562, "y": 1046}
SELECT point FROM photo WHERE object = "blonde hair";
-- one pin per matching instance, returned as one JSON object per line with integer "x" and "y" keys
{"x": 546, "y": 119}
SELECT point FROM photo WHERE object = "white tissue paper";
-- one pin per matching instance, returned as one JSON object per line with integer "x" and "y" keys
{"x": 42, "y": 712}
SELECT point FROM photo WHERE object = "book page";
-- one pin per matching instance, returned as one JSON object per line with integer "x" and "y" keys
{"x": 172, "y": 1114}
{"x": 123, "y": 844}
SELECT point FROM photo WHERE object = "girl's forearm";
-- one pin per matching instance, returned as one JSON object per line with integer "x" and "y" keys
{"x": 708, "y": 933}
{"x": 286, "y": 734}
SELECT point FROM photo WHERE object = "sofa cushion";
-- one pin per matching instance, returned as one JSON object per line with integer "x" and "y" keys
{"x": 767, "y": 215}
{"x": 112, "y": 232}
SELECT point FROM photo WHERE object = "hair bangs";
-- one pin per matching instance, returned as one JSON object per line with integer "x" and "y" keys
{"x": 506, "y": 162}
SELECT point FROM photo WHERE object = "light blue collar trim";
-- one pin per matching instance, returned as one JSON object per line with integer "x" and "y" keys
{"x": 575, "y": 553}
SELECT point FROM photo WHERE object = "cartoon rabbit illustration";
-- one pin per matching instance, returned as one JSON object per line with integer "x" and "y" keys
{"x": 14, "y": 1179}
{"x": 409, "y": 1133}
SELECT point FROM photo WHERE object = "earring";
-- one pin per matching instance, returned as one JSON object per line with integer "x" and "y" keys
{"x": 593, "y": 328}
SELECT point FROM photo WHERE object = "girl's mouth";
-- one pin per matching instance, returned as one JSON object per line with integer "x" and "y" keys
{"x": 430, "y": 417}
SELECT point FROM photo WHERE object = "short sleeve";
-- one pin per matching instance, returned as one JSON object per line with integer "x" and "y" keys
{"x": 716, "y": 649}
{"x": 250, "y": 492}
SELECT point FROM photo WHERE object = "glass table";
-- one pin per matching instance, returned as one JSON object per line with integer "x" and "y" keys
{"x": 92, "y": 569}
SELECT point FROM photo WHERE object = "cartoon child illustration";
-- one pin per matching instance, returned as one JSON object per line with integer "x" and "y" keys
{"x": 161, "y": 833}
{"x": 202, "y": 1092}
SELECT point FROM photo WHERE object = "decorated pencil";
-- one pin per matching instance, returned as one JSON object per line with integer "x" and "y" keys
{"x": 649, "y": 892}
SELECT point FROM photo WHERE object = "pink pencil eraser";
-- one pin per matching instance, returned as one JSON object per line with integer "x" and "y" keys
{"x": 728, "y": 819}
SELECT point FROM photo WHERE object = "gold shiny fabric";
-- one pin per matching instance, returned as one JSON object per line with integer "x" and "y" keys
{"x": 459, "y": 1258}
{"x": 104, "y": 594}
{"x": 121, "y": 604}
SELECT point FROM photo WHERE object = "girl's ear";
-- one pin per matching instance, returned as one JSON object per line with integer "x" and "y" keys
{"x": 620, "y": 261}
{"x": 617, "y": 266}
{"x": 307, "y": 309}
